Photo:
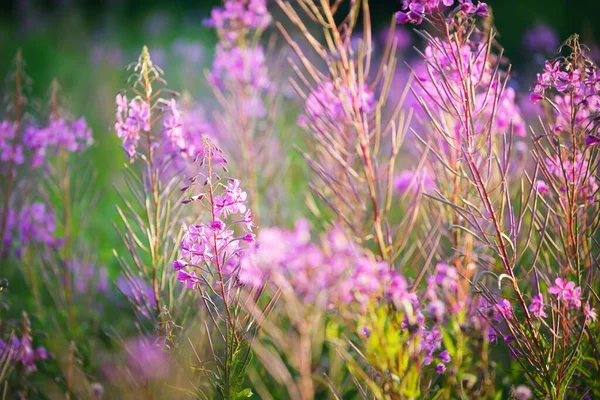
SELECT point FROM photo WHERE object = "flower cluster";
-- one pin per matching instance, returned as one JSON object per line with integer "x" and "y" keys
{"x": 89, "y": 278}
{"x": 182, "y": 141}
{"x": 22, "y": 352}
{"x": 9, "y": 150}
{"x": 414, "y": 181}
{"x": 575, "y": 92}
{"x": 415, "y": 11}
{"x": 59, "y": 135}
{"x": 334, "y": 273}
{"x": 495, "y": 107}
{"x": 243, "y": 71}
{"x": 33, "y": 224}
{"x": 330, "y": 106}
{"x": 541, "y": 39}
{"x": 133, "y": 118}
{"x": 238, "y": 17}
{"x": 215, "y": 242}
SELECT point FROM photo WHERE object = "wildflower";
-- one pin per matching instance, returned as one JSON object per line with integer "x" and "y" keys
{"x": 541, "y": 187}
{"x": 444, "y": 356}
{"x": 188, "y": 278}
{"x": 505, "y": 308}
{"x": 23, "y": 352}
{"x": 541, "y": 38}
{"x": 133, "y": 117}
{"x": 440, "y": 368}
{"x": 591, "y": 140}
{"x": 589, "y": 312}
{"x": 231, "y": 19}
{"x": 415, "y": 11}
{"x": 415, "y": 181}
{"x": 179, "y": 264}
{"x": 97, "y": 390}
{"x": 243, "y": 68}
{"x": 329, "y": 106}
{"x": 522, "y": 392}
{"x": 401, "y": 36}
{"x": 567, "y": 292}
{"x": 437, "y": 310}
{"x": 537, "y": 306}
{"x": 88, "y": 277}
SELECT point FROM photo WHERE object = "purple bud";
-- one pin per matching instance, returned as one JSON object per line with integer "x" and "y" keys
{"x": 591, "y": 140}
{"x": 179, "y": 264}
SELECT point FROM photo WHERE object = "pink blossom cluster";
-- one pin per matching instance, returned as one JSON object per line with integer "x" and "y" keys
{"x": 59, "y": 135}
{"x": 415, "y": 181}
{"x": 32, "y": 224}
{"x": 575, "y": 93}
{"x": 415, "y": 11}
{"x": 244, "y": 72}
{"x": 89, "y": 278}
{"x": 182, "y": 141}
{"x": 133, "y": 118}
{"x": 214, "y": 246}
{"x": 453, "y": 64}
{"x": 541, "y": 38}
{"x": 237, "y": 17}
{"x": 9, "y": 150}
{"x": 331, "y": 106}
{"x": 23, "y": 352}
{"x": 335, "y": 272}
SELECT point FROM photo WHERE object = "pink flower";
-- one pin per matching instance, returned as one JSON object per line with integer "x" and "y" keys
{"x": 589, "y": 312}
{"x": 537, "y": 306}
{"x": 567, "y": 292}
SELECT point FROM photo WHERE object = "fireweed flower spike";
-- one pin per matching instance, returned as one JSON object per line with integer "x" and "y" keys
{"x": 210, "y": 250}
{"x": 209, "y": 261}
{"x": 155, "y": 139}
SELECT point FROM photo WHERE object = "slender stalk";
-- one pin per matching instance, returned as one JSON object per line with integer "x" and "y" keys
{"x": 18, "y": 119}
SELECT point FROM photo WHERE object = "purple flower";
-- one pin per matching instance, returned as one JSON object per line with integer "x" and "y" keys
{"x": 415, "y": 11}
{"x": 589, "y": 312}
{"x": 505, "y": 308}
{"x": 440, "y": 368}
{"x": 243, "y": 69}
{"x": 541, "y": 187}
{"x": 522, "y": 392}
{"x": 415, "y": 181}
{"x": 235, "y": 17}
{"x": 132, "y": 118}
{"x": 537, "y": 306}
{"x": 591, "y": 140}
{"x": 330, "y": 107}
{"x": 401, "y": 36}
{"x": 542, "y": 39}
{"x": 444, "y": 356}
{"x": 567, "y": 292}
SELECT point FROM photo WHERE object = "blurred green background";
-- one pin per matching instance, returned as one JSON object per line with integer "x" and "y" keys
{"x": 86, "y": 44}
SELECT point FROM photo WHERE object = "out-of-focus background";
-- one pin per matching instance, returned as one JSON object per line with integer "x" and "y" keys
{"x": 86, "y": 45}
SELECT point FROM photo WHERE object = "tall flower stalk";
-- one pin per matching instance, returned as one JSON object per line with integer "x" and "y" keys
{"x": 209, "y": 257}
{"x": 148, "y": 221}
{"x": 353, "y": 147}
